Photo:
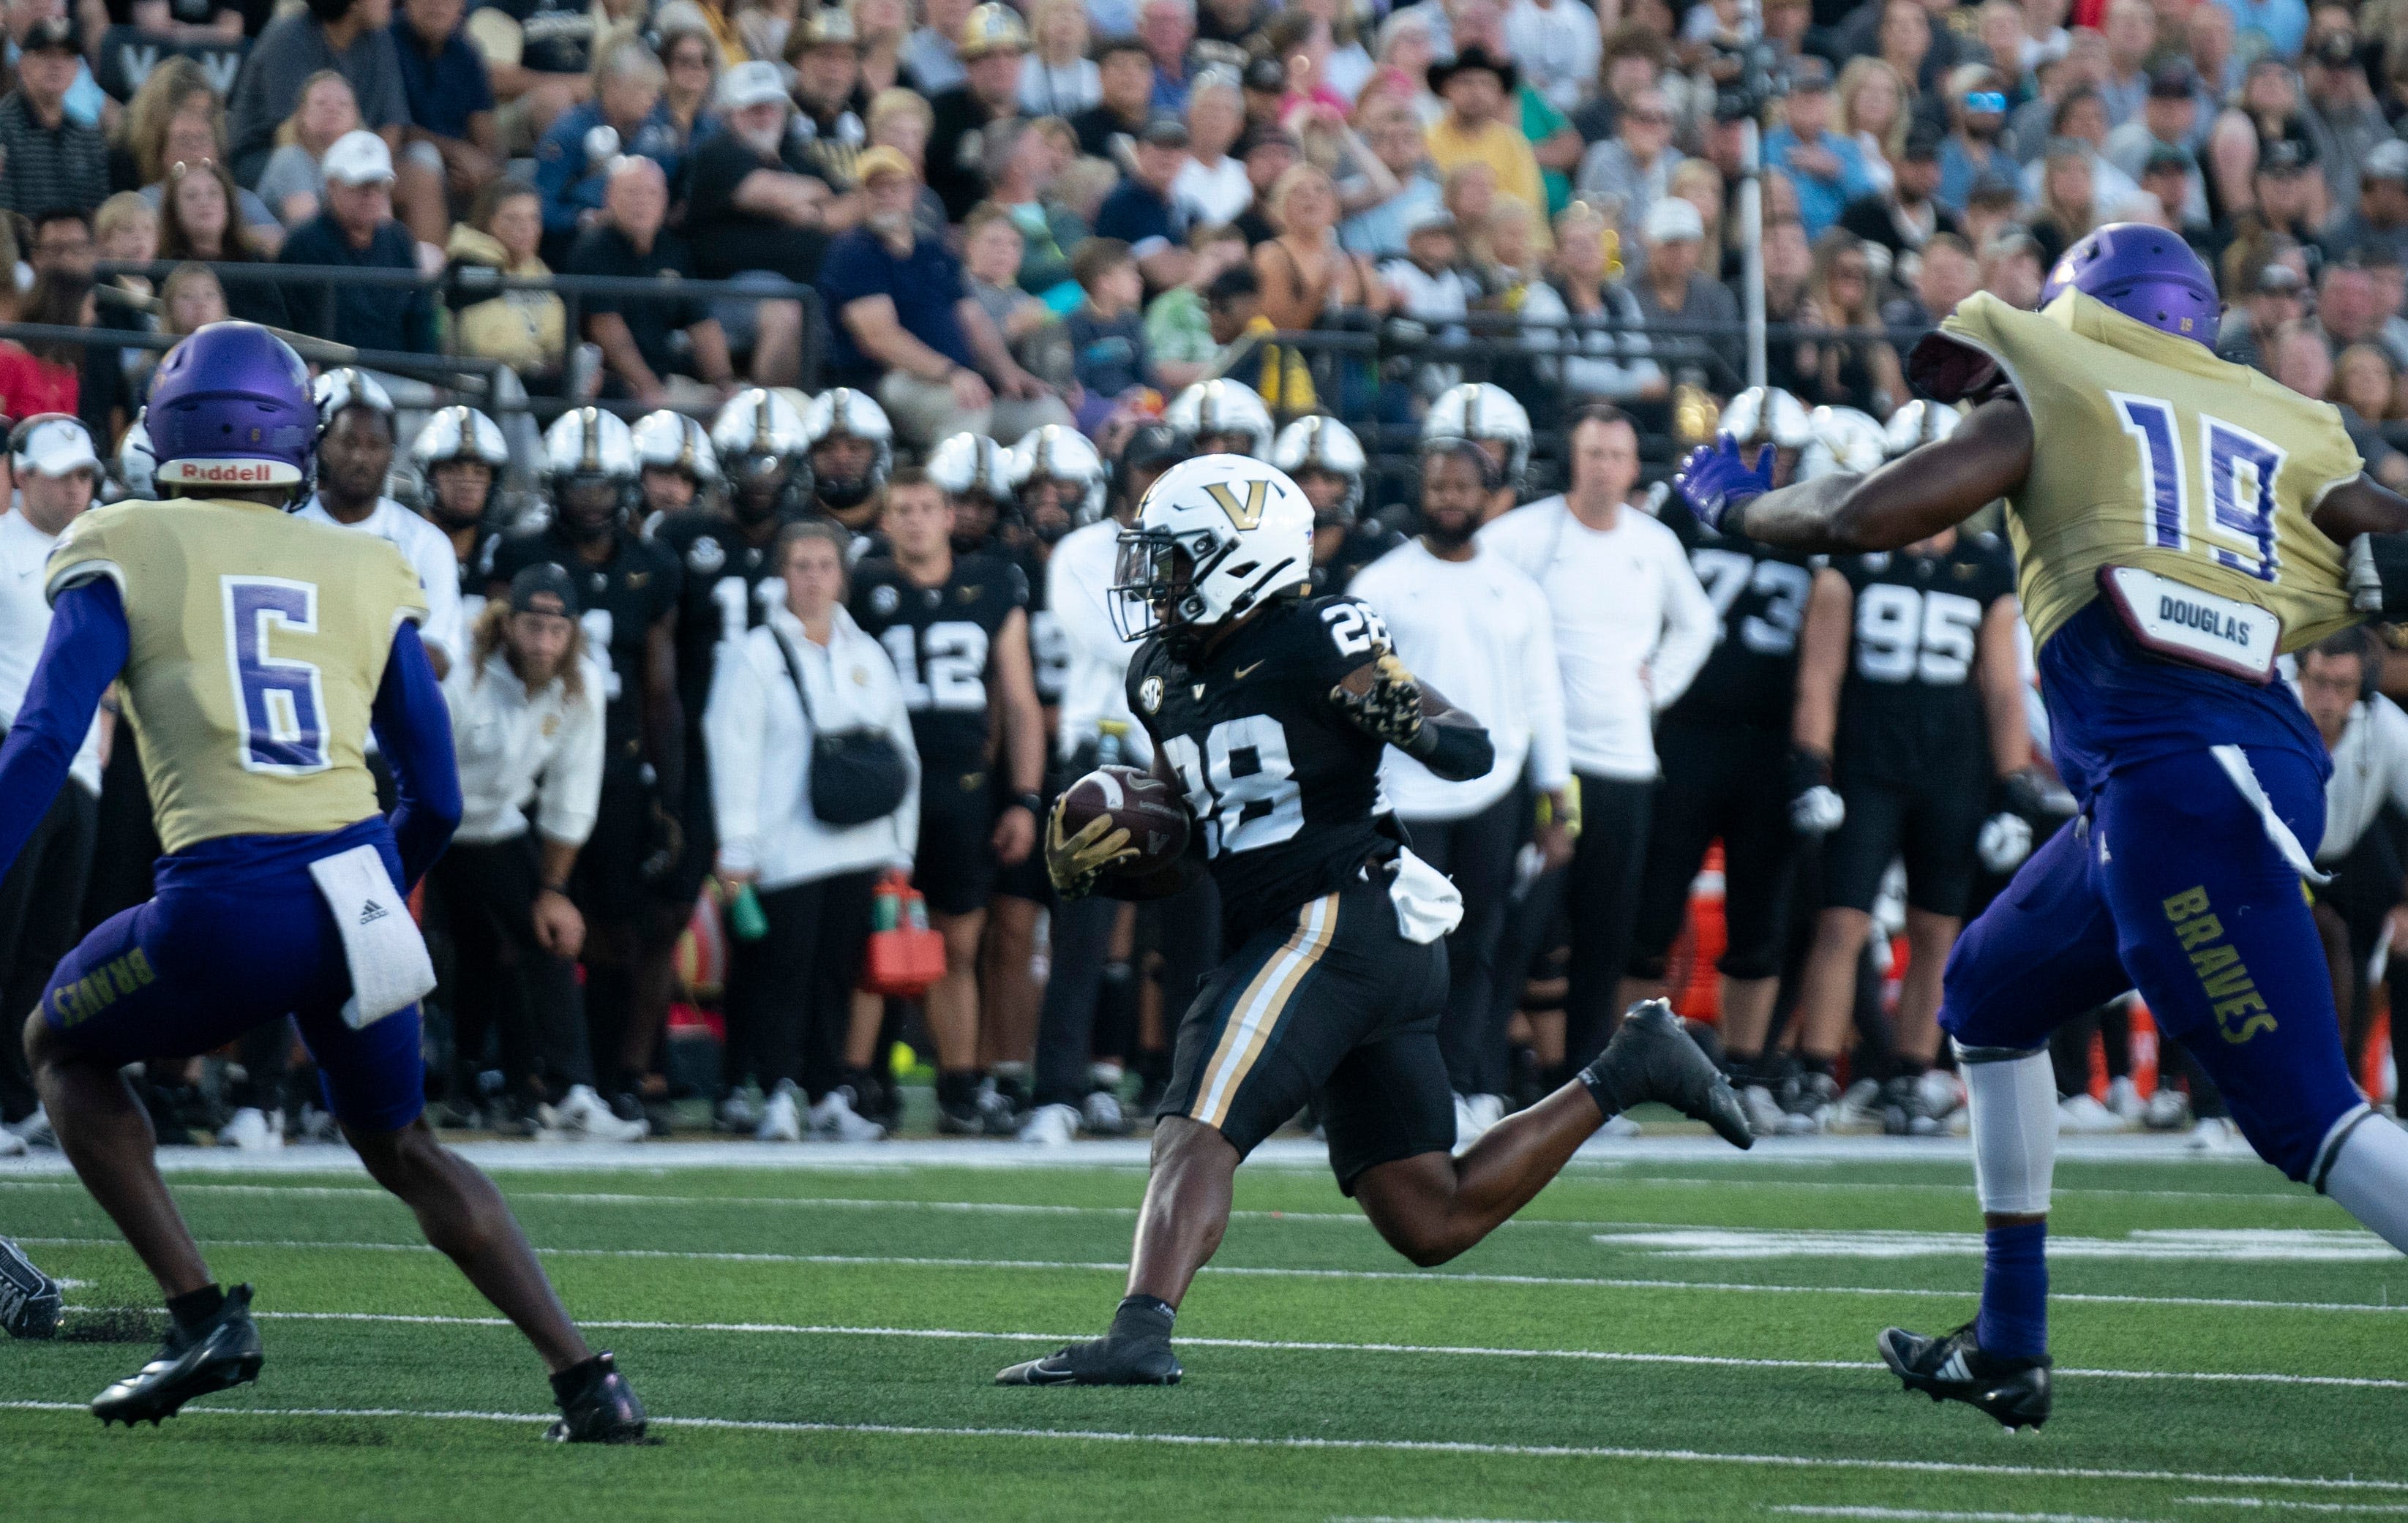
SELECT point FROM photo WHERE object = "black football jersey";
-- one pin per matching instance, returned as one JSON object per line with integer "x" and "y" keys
{"x": 1048, "y": 652}
{"x": 477, "y": 570}
{"x": 941, "y": 640}
{"x": 1910, "y": 701}
{"x": 726, "y": 585}
{"x": 623, "y": 598}
{"x": 1364, "y": 544}
{"x": 1284, "y": 787}
{"x": 1759, "y": 596}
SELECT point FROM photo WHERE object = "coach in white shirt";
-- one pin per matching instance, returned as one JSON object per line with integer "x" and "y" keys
{"x": 56, "y": 471}
{"x": 353, "y": 455}
{"x": 790, "y": 991}
{"x": 1476, "y": 629}
{"x": 1631, "y": 628}
{"x": 526, "y": 725}
{"x": 2368, "y": 737}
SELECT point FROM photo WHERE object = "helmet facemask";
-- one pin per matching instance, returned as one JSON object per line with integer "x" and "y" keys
{"x": 587, "y": 505}
{"x": 1154, "y": 586}
{"x": 761, "y": 484}
{"x": 459, "y": 491}
{"x": 847, "y": 470}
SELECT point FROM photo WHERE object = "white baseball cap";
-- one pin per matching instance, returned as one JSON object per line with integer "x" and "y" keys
{"x": 751, "y": 84}
{"x": 52, "y": 445}
{"x": 1673, "y": 219}
{"x": 358, "y": 158}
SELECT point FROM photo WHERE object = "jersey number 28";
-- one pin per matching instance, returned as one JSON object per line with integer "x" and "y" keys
{"x": 280, "y": 704}
{"x": 1240, "y": 784}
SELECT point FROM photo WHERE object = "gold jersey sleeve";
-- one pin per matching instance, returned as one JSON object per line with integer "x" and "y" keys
{"x": 258, "y": 641}
{"x": 2150, "y": 451}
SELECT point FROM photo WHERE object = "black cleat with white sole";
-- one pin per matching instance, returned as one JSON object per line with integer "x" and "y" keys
{"x": 220, "y": 1353}
{"x": 1105, "y": 1362}
{"x": 1653, "y": 1057}
{"x": 29, "y": 1300}
{"x": 1954, "y": 1368}
{"x": 603, "y": 1409}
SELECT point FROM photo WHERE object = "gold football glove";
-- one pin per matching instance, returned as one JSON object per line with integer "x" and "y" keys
{"x": 1390, "y": 708}
{"x": 1075, "y": 861}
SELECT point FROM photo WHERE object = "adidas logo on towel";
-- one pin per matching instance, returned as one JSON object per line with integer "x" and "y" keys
{"x": 371, "y": 913}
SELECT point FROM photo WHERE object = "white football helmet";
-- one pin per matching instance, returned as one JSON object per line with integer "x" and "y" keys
{"x": 1918, "y": 423}
{"x": 136, "y": 468}
{"x": 1214, "y": 408}
{"x": 1786, "y": 424}
{"x": 671, "y": 441}
{"x": 459, "y": 433}
{"x": 1216, "y": 537}
{"x": 752, "y": 422}
{"x": 1483, "y": 411}
{"x": 971, "y": 462}
{"x": 588, "y": 441}
{"x": 1056, "y": 453}
{"x": 1324, "y": 444}
{"x": 1845, "y": 440}
{"x": 348, "y": 387}
{"x": 845, "y": 413}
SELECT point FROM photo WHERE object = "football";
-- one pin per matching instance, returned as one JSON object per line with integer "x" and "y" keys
{"x": 1139, "y": 803}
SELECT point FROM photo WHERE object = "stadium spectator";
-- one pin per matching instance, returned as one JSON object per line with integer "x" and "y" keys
{"x": 86, "y": 103}
{"x": 805, "y": 672}
{"x": 2367, "y": 736}
{"x": 527, "y": 724}
{"x": 357, "y": 229}
{"x": 881, "y": 24}
{"x": 931, "y": 57}
{"x": 1141, "y": 210}
{"x": 1308, "y": 280}
{"x": 2380, "y": 218}
{"x": 1861, "y": 372}
{"x": 903, "y": 328}
{"x": 177, "y": 118}
{"x": 1673, "y": 292}
{"x": 1268, "y": 153}
{"x": 451, "y": 98}
{"x": 993, "y": 50}
{"x": 351, "y": 37}
{"x": 293, "y": 181}
{"x": 690, "y": 65}
{"x": 2132, "y": 34}
{"x": 1633, "y": 170}
{"x": 638, "y": 336}
{"x": 1379, "y": 228}
{"x": 45, "y": 375}
{"x": 1212, "y": 184}
{"x": 1632, "y": 627}
{"x": 1872, "y": 102}
{"x": 1976, "y": 107}
{"x": 900, "y": 119}
{"x": 1107, "y": 333}
{"x": 2338, "y": 106}
{"x": 572, "y": 163}
{"x": 525, "y": 330}
{"x": 828, "y": 97}
{"x": 1479, "y": 88}
{"x": 2168, "y": 119}
{"x": 539, "y": 56}
{"x": 197, "y": 223}
{"x": 1561, "y": 46}
{"x": 51, "y": 159}
{"x": 1827, "y": 168}
{"x": 1605, "y": 356}
{"x": 1178, "y": 330}
{"x": 190, "y": 299}
{"x": 1167, "y": 29}
{"x": 990, "y": 251}
{"x": 1899, "y": 221}
{"x": 2012, "y": 269}
{"x": 54, "y": 470}
{"x": 1018, "y": 164}
{"x": 1124, "y": 101}
{"x": 62, "y": 245}
{"x": 1059, "y": 79}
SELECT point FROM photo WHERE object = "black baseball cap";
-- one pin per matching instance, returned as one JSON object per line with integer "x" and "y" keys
{"x": 2174, "y": 79}
{"x": 1268, "y": 76}
{"x": 51, "y": 34}
{"x": 1164, "y": 131}
{"x": 1922, "y": 142}
{"x": 543, "y": 580}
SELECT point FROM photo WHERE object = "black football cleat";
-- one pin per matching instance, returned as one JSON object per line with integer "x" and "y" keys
{"x": 1952, "y": 1368}
{"x": 1104, "y": 1361}
{"x": 29, "y": 1298}
{"x": 1653, "y": 1057}
{"x": 605, "y": 1410}
{"x": 220, "y": 1353}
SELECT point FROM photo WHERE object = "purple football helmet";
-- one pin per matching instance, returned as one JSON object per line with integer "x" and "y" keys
{"x": 2146, "y": 273}
{"x": 231, "y": 407}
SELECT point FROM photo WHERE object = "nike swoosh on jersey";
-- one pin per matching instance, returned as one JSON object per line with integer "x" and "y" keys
{"x": 1246, "y": 672}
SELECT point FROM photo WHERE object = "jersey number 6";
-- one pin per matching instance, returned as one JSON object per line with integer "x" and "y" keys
{"x": 279, "y": 705}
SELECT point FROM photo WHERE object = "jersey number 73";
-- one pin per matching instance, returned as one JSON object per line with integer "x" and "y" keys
{"x": 2237, "y": 523}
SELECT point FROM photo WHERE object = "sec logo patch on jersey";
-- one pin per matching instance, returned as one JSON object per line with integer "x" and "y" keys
{"x": 1148, "y": 695}
{"x": 705, "y": 556}
{"x": 884, "y": 599}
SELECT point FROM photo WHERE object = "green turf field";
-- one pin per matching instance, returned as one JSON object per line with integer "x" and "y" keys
{"x": 1664, "y": 1337}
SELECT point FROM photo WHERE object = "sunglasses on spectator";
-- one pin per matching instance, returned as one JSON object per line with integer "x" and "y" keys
{"x": 1986, "y": 100}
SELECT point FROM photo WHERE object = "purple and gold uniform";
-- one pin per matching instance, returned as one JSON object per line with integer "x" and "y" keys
{"x": 256, "y": 650}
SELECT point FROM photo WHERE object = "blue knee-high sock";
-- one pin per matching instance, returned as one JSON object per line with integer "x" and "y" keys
{"x": 2014, "y": 1321}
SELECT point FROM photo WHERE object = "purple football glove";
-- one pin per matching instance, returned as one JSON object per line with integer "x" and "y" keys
{"x": 1715, "y": 479}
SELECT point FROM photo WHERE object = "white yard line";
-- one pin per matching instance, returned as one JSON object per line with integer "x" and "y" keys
{"x": 1270, "y": 1271}
{"x": 2284, "y": 1506}
{"x": 1377, "y": 1445}
{"x": 1318, "y": 1346}
{"x": 1894, "y": 1514}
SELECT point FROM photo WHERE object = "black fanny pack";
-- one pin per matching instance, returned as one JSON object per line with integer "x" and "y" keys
{"x": 857, "y": 774}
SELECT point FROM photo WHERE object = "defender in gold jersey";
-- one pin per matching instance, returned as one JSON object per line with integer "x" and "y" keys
{"x": 2179, "y": 522}
{"x": 256, "y": 650}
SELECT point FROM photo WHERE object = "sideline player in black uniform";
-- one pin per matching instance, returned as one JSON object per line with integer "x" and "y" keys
{"x": 681, "y": 469}
{"x": 726, "y": 587}
{"x": 957, "y": 630}
{"x": 1910, "y": 705}
{"x": 1325, "y": 458}
{"x": 1721, "y": 745}
{"x": 851, "y": 446}
{"x": 629, "y": 589}
{"x": 1270, "y": 710}
{"x": 460, "y": 454}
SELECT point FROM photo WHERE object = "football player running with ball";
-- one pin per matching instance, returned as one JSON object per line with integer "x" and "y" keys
{"x": 1268, "y": 710}
{"x": 2189, "y": 520}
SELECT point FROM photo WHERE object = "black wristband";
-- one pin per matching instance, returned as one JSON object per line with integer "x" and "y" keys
{"x": 1033, "y": 803}
{"x": 560, "y": 889}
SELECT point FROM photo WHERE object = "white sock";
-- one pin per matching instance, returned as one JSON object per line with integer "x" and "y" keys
{"x": 2013, "y": 1105}
{"x": 2368, "y": 1174}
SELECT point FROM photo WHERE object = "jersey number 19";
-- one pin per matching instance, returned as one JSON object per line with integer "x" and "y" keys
{"x": 2240, "y": 468}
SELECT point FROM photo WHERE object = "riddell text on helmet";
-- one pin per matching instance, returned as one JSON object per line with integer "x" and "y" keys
{"x": 222, "y": 473}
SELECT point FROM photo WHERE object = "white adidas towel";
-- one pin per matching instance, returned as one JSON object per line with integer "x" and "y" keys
{"x": 1429, "y": 905}
{"x": 389, "y": 968}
